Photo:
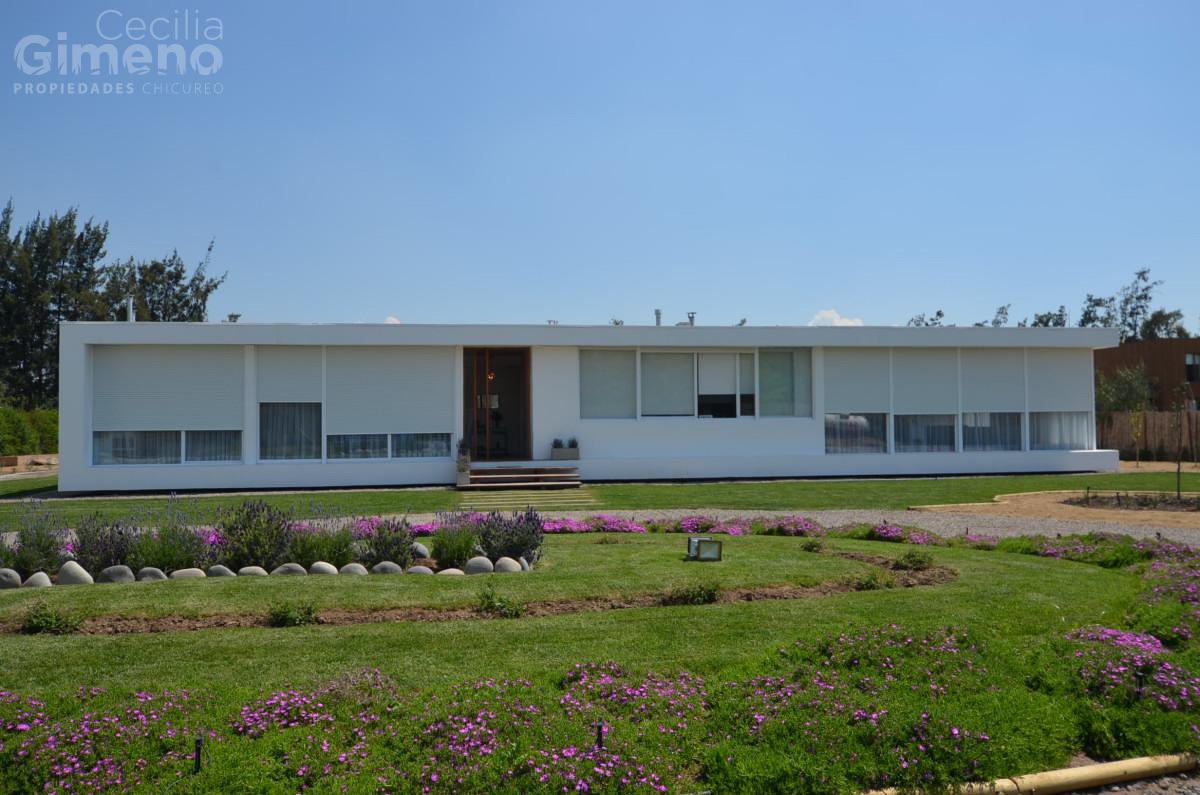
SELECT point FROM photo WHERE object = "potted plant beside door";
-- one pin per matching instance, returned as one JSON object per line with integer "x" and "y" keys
{"x": 568, "y": 453}
{"x": 463, "y": 463}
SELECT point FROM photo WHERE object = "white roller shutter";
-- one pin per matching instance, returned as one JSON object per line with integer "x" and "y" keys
{"x": 389, "y": 390}
{"x": 993, "y": 379}
{"x": 167, "y": 387}
{"x": 924, "y": 380}
{"x": 289, "y": 374}
{"x": 856, "y": 379}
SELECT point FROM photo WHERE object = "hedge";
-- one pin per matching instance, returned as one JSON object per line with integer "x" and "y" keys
{"x": 28, "y": 432}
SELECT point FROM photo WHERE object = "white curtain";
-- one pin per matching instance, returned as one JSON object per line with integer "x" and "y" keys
{"x": 214, "y": 445}
{"x": 135, "y": 447}
{"x": 925, "y": 433}
{"x": 668, "y": 385}
{"x": 991, "y": 430}
{"x": 607, "y": 384}
{"x": 420, "y": 445}
{"x": 855, "y": 433}
{"x": 289, "y": 431}
{"x": 357, "y": 445}
{"x": 1058, "y": 430}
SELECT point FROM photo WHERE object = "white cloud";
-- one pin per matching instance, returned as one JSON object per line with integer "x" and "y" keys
{"x": 831, "y": 317}
{"x": 392, "y": 320}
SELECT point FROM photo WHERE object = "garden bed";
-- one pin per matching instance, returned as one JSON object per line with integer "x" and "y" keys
{"x": 1133, "y": 501}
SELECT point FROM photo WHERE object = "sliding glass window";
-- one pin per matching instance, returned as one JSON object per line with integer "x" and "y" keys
{"x": 856, "y": 433}
{"x": 213, "y": 445}
{"x": 991, "y": 430}
{"x": 668, "y": 385}
{"x": 420, "y": 445}
{"x": 925, "y": 433}
{"x": 135, "y": 447}
{"x": 356, "y": 445}
{"x": 289, "y": 431}
{"x": 1058, "y": 430}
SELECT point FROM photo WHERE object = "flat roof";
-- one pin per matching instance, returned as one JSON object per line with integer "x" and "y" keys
{"x": 500, "y": 335}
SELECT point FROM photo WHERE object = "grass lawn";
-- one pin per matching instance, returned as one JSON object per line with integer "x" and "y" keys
{"x": 1014, "y": 608}
{"x": 794, "y": 495}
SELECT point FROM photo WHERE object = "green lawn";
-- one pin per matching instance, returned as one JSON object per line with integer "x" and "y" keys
{"x": 791, "y": 495}
{"x": 1013, "y": 606}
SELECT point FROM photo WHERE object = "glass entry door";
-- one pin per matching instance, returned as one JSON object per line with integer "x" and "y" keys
{"x": 496, "y": 403}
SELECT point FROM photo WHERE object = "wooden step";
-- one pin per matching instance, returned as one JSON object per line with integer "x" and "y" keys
{"x": 535, "y": 484}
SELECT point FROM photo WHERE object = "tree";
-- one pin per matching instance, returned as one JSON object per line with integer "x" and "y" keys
{"x": 933, "y": 320}
{"x": 161, "y": 290}
{"x": 1098, "y": 312}
{"x": 48, "y": 274}
{"x": 999, "y": 319}
{"x": 1162, "y": 324}
{"x": 1052, "y": 319}
{"x": 1127, "y": 390}
{"x": 1134, "y": 305}
{"x": 1181, "y": 399}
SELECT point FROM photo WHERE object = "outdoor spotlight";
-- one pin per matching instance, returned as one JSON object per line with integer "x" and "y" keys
{"x": 703, "y": 548}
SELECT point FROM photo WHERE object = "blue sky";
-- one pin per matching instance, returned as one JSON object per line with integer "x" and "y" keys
{"x": 524, "y": 161}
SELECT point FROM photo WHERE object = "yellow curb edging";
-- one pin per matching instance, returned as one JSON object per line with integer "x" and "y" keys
{"x": 1070, "y": 779}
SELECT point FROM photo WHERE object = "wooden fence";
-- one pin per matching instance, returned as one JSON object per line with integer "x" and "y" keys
{"x": 1159, "y": 434}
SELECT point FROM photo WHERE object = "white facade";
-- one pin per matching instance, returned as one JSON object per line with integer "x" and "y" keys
{"x": 384, "y": 404}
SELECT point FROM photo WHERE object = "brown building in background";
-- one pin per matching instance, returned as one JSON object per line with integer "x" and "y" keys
{"x": 1168, "y": 363}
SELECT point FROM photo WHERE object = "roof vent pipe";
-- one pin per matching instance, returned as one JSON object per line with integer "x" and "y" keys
{"x": 691, "y": 318}
{"x": 658, "y": 317}
{"x": 129, "y": 315}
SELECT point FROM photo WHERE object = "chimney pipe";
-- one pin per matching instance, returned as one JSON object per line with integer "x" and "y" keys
{"x": 691, "y": 318}
{"x": 130, "y": 317}
{"x": 658, "y": 317}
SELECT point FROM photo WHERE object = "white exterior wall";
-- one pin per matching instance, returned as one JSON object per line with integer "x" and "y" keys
{"x": 399, "y": 379}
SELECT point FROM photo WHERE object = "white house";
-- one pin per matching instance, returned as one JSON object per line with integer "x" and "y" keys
{"x": 234, "y": 405}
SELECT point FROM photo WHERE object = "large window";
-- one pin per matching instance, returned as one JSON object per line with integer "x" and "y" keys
{"x": 135, "y": 447}
{"x": 289, "y": 431}
{"x": 924, "y": 433}
{"x": 855, "y": 433}
{"x": 213, "y": 445}
{"x": 668, "y": 385}
{"x": 785, "y": 382}
{"x": 717, "y": 390}
{"x": 607, "y": 384}
{"x": 420, "y": 445}
{"x": 991, "y": 430}
{"x": 356, "y": 445}
{"x": 1058, "y": 430}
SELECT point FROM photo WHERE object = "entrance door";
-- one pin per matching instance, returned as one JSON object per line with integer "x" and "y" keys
{"x": 496, "y": 403}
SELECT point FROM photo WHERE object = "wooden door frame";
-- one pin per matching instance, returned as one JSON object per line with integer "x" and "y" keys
{"x": 469, "y": 405}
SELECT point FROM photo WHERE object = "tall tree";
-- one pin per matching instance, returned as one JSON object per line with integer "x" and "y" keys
{"x": 1098, "y": 311}
{"x": 162, "y": 290}
{"x": 933, "y": 320}
{"x": 48, "y": 273}
{"x": 1133, "y": 306}
{"x": 999, "y": 319}
{"x": 1052, "y": 319}
{"x": 1162, "y": 324}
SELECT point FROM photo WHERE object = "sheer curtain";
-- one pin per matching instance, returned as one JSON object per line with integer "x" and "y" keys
{"x": 668, "y": 385}
{"x": 855, "y": 433}
{"x": 214, "y": 445}
{"x": 1058, "y": 430}
{"x": 607, "y": 384}
{"x": 925, "y": 433}
{"x": 777, "y": 383}
{"x": 357, "y": 445}
{"x": 135, "y": 447}
{"x": 991, "y": 430}
{"x": 289, "y": 431}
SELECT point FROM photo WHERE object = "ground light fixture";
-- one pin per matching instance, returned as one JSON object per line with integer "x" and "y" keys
{"x": 701, "y": 548}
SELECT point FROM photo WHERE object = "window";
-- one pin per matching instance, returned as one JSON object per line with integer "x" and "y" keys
{"x": 1058, "y": 430}
{"x": 855, "y": 433}
{"x": 135, "y": 447}
{"x": 746, "y": 381}
{"x": 1191, "y": 363}
{"x": 289, "y": 431}
{"x": 785, "y": 382}
{"x": 717, "y": 391}
{"x": 357, "y": 445}
{"x": 991, "y": 430}
{"x": 925, "y": 433}
{"x": 607, "y": 385}
{"x": 213, "y": 445}
{"x": 668, "y": 385}
{"x": 420, "y": 445}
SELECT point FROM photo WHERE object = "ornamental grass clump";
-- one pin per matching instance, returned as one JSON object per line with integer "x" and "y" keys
{"x": 454, "y": 543}
{"x": 174, "y": 546}
{"x": 309, "y": 543}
